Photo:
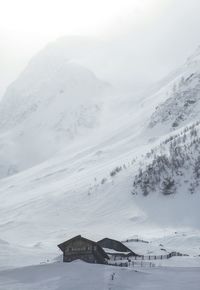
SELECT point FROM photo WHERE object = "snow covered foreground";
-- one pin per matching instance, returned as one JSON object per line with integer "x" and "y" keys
{"x": 80, "y": 275}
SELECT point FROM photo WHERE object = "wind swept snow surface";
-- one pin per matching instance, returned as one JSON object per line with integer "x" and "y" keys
{"x": 79, "y": 275}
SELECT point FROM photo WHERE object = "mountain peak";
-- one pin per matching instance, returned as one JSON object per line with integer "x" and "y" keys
{"x": 54, "y": 101}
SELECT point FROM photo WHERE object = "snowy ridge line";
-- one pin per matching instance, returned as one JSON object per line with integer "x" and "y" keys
{"x": 181, "y": 103}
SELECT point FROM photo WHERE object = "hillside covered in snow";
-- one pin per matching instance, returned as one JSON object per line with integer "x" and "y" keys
{"x": 77, "y": 159}
{"x": 173, "y": 166}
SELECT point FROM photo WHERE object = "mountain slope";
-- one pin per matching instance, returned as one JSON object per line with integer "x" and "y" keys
{"x": 53, "y": 102}
{"x": 173, "y": 166}
{"x": 181, "y": 103}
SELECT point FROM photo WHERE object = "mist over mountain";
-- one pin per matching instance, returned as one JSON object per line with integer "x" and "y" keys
{"x": 53, "y": 102}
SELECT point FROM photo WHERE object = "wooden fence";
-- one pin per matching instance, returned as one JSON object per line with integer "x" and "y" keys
{"x": 141, "y": 261}
{"x": 133, "y": 264}
{"x": 158, "y": 257}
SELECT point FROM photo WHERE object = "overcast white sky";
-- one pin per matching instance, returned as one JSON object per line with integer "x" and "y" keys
{"x": 146, "y": 38}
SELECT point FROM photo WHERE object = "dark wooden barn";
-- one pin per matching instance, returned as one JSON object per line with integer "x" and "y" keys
{"x": 83, "y": 249}
{"x": 115, "y": 245}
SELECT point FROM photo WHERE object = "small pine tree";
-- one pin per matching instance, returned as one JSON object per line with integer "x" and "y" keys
{"x": 168, "y": 186}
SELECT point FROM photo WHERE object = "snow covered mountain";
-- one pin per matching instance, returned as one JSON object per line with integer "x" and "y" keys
{"x": 53, "y": 102}
{"x": 87, "y": 186}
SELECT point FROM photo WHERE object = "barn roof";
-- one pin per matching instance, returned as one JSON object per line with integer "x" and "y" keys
{"x": 63, "y": 245}
{"x": 125, "y": 248}
{"x": 114, "y": 252}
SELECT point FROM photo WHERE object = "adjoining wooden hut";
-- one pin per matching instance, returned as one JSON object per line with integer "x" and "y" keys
{"x": 117, "y": 246}
{"x": 83, "y": 249}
